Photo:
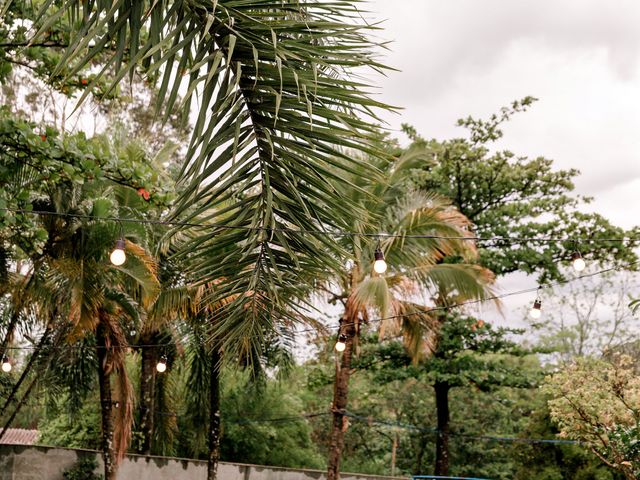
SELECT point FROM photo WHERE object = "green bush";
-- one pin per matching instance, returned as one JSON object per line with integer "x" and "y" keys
{"x": 82, "y": 470}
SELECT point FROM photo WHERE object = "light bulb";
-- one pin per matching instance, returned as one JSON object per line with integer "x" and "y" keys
{"x": 536, "y": 310}
{"x": 118, "y": 257}
{"x": 578, "y": 262}
{"x": 379, "y": 266}
{"x": 341, "y": 343}
{"x": 161, "y": 367}
{"x": 6, "y": 365}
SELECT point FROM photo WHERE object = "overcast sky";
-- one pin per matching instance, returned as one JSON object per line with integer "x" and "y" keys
{"x": 579, "y": 57}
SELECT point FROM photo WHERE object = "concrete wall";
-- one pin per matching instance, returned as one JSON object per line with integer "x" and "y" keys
{"x": 45, "y": 463}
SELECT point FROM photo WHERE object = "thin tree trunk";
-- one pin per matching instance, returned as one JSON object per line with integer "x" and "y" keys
{"x": 422, "y": 446}
{"x": 394, "y": 448}
{"x": 8, "y": 338}
{"x": 23, "y": 400}
{"x": 27, "y": 392}
{"x": 214, "y": 415}
{"x": 108, "y": 452}
{"x": 442, "y": 440}
{"x": 17, "y": 308}
{"x": 341, "y": 392}
{"x": 147, "y": 395}
{"x": 26, "y": 370}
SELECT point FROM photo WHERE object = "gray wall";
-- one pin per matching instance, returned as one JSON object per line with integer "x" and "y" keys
{"x": 45, "y": 463}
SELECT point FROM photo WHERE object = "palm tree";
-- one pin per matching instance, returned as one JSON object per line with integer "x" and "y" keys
{"x": 98, "y": 297}
{"x": 278, "y": 103}
{"x": 414, "y": 231}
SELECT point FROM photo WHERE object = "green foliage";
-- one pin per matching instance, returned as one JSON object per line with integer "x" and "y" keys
{"x": 77, "y": 430}
{"x": 249, "y": 436}
{"x": 82, "y": 470}
{"x": 36, "y": 162}
{"x": 595, "y": 402}
{"x": 471, "y": 351}
{"x": 507, "y": 195}
{"x": 553, "y": 461}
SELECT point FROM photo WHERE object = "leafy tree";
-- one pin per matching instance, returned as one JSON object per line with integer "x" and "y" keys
{"x": 551, "y": 461}
{"x": 461, "y": 356}
{"x": 595, "y": 402}
{"x": 466, "y": 352}
{"x": 517, "y": 198}
{"x": 591, "y": 318}
{"x": 414, "y": 263}
{"x": 254, "y": 429}
{"x": 79, "y": 430}
{"x": 83, "y": 180}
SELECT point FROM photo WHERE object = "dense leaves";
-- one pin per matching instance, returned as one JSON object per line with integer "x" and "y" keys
{"x": 515, "y": 198}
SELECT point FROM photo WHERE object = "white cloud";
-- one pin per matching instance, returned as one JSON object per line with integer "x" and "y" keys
{"x": 581, "y": 58}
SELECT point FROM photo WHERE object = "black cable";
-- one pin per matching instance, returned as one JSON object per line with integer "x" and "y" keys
{"x": 391, "y": 317}
{"x": 340, "y": 233}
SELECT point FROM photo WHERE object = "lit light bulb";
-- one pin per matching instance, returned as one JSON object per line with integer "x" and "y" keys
{"x": 379, "y": 266}
{"x": 118, "y": 257}
{"x": 6, "y": 364}
{"x": 578, "y": 262}
{"x": 161, "y": 367}
{"x": 536, "y": 310}
{"x": 341, "y": 343}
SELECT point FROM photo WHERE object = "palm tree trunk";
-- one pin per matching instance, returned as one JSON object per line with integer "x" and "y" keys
{"x": 147, "y": 395}
{"x": 341, "y": 392}
{"x": 38, "y": 375}
{"x": 108, "y": 451}
{"x": 27, "y": 369}
{"x": 214, "y": 415}
{"x": 11, "y": 327}
{"x": 442, "y": 440}
{"x": 19, "y": 406}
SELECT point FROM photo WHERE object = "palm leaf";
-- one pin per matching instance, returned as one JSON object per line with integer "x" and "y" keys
{"x": 278, "y": 114}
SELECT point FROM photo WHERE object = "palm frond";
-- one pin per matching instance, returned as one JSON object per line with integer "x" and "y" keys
{"x": 460, "y": 282}
{"x": 373, "y": 293}
{"x": 278, "y": 113}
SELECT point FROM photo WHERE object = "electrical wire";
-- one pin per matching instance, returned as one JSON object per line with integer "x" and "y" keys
{"x": 370, "y": 421}
{"x": 406, "y": 426}
{"x": 386, "y": 318}
{"x": 331, "y": 233}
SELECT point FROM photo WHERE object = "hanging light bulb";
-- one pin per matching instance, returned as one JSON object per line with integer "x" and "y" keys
{"x": 578, "y": 262}
{"x": 161, "y": 366}
{"x": 6, "y": 364}
{"x": 118, "y": 257}
{"x": 536, "y": 310}
{"x": 341, "y": 344}
{"x": 379, "y": 266}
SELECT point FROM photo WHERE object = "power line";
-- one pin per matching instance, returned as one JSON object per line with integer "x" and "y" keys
{"x": 333, "y": 233}
{"x": 433, "y": 430}
{"x": 382, "y": 319}
{"x": 370, "y": 421}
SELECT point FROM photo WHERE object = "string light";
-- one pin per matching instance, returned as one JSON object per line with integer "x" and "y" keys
{"x": 161, "y": 366}
{"x": 536, "y": 310}
{"x": 577, "y": 261}
{"x": 118, "y": 257}
{"x": 341, "y": 344}
{"x": 334, "y": 233}
{"x": 379, "y": 265}
{"x": 420, "y": 311}
{"x": 6, "y": 364}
